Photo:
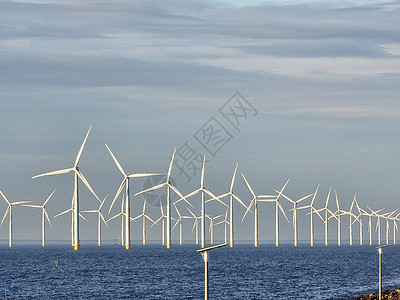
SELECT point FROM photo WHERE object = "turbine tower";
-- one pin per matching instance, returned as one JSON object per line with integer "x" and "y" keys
{"x": 311, "y": 213}
{"x": 231, "y": 197}
{"x": 125, "y": 182}
{"x": 144, "y": 216}
{"x": 169, "y": 187}
{"x": 9, "y": 211}
{"x": 295, "y": 227}
{"x": 254, "y": 202}
{"x": 77, "y": 174}
{"x": 100, "y": 218}
{"x": 45, "y": 215}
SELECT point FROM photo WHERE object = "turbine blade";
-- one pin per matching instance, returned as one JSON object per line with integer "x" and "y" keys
{"x": 239, "y": 200}
{"x": 179, "y": 194}
{"x": 63, "y": 171}
{"x": 248, "y": 185}
{"x": 202, "y": 172}
{"x": 281, "y": 208}
{"x": 5, "y": 215}
{"x": 47, "y": 216}
{"x": 62, "y": 213}
{"x": 116, "y": 161}
{"x": 121, "y": 186}
{"x": 5, "y": 198}
{"x": 32, "y": 205}
{"x": 248, "y": 208}
{"x": 48, "y": 198}
{"x": 88, "y": 185}
{"x": 113, "y": 217}
{"x": 156, "y": 187}
{"x": 233, "y": 178}
{"x": 104, "y": 220}
{"x": 170, "y": 166}
{"x": 144, "y": 175}
{"x": 78, "y": 157}
{"x": 102, "y": 203}
{"x": 83, "y": 217}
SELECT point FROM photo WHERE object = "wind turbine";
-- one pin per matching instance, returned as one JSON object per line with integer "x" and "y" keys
{"x": 338, "y": 213}
{"x": 278, "y": 207}
{"x": 180, "y": 222}
{"x": 9, "y": 211}
{"x": 211, "y": 228}
{"x": 195, "y": 225}
{"x": 162, "y": 219}
{"x": 203, "y": 192}
{"x": 395, "y": 228}
{"x": 254, "y": 202}
{"x": 144, "y": 216}
{"x": 125, "y": 182}
{"x": 387, "y": 216}
{"x": 77, "y": 174}
{"x": 122, "y": 214}
{"x": 351, "y": 216}
{"x": 358, "y": 218}
{"x": 72, "y": 219}
{"x": 169, "y": 187}
{"x": 295, "y": 227}
{"x": 370, "y": 215}
{"x": 100, "y": 218}
{"x": 231, "y": 197}
{"x": 226, "y": 223}
{"x": 44, "y": 215}
{"x": 378, "y": 222}
{"x": 327, "y": 210}
{"x": 312, "y": 212}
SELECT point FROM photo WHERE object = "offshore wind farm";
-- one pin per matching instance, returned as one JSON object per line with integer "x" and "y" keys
{"x": 197, "y": 209}
{"x": 184, "y": 149}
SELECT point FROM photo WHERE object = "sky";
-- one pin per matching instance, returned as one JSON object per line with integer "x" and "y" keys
{"x": 306, "y": 90}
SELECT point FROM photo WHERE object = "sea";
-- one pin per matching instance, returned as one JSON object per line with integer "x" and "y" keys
{"x": 154, "y": 272}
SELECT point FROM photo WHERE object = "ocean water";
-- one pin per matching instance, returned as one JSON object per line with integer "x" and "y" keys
{"x": 154, "y": 272}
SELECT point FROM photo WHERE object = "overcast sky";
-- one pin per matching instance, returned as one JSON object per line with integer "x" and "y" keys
{"x": 318, "y": 82}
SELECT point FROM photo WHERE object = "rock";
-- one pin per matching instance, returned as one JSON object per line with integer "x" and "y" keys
{"x": 386, "y": 295}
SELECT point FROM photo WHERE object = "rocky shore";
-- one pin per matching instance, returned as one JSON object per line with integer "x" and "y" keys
{"x": 392, "y": 295}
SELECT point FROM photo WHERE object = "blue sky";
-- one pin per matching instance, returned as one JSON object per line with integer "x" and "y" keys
{"x": 323, "y": 77}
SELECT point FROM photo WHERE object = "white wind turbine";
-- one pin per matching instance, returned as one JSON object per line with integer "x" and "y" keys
{"x": 254, "y": 202}
{"x": 351, "y": 216}
{"x": 395, "y": 228}
{"x": 313, "y": 211}
{"x": 125, "y": 182}
{"x": 72, "y": 218}
{"x": 162, "y": 219}
{"x": 203, "y": 192}
{"x": 378, "y": 222}
{"x": 195, "y": 225}
{"x": 278, "y": 207}
{"x": 100, "y": 218}
{"x": 9, "y": 211}
{"x": 144, "y": 216}
{"x": 295, "y": 227}
{"x": 211, "y": 228}
{"x": 370, "y": 215}
{"x": 45, "y": 215}
{"x": 388, "y": 216}
{"x": 337, "y": 214}
{"x": 231, "y": 197}
{"x": 358, "y": 218}
{"x": 180, "y": 222}
{"x": 169, "y": 187}
{"x": 75, "y": 207}
{"x": 327, "y": 210}
{"x": 122, "y": 214}
{"x": 226, "y": 223}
